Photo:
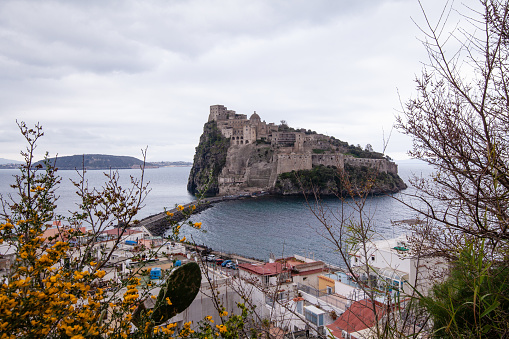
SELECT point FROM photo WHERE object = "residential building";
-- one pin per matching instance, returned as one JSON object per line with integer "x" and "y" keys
{"x": 395, "y": 267}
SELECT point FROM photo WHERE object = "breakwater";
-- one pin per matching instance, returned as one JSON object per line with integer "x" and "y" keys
{"x": 158, "y": 224}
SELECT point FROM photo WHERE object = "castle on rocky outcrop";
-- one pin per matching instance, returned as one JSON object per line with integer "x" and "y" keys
{"x": 259, "y": 152}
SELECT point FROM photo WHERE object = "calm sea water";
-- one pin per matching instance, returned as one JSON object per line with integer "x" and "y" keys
{"x": 252, "y": 227}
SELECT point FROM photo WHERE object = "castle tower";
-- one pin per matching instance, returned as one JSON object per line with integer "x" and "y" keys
{"x": 217, "y": 112}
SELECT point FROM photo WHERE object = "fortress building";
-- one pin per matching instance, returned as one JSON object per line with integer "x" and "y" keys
{"x": 240, "y": 129}
{"x": 289, "y": 149}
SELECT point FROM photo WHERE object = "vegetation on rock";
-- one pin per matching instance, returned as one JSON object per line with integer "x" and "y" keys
{"x": 327, "y": 180}
{"x": 209, "y": 160}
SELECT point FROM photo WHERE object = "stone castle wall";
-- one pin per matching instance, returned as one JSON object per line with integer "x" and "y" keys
{"x": 293, "y": 162}
{"x": 337, "y": 160}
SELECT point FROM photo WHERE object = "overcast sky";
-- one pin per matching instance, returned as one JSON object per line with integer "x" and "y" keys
{"x": 113, "y": 77}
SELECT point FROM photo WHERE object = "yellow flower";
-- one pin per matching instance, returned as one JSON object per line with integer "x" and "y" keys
{"x": 193, "y": 207}
{"x": 209, "y": 318}
{"x": 197, "y": 224}
{"x": 100, "y": 274}
{"x": 224, "y": 314}
{"x": 221, "y": 328}
{"x": 183, "y": 239}
{"x": 93, "y": 263}
{"x": 153, "y": 297}
{"x": 168, "y": 301}
{"x": 180, "y": 207}
{"x": 168, "y": 213}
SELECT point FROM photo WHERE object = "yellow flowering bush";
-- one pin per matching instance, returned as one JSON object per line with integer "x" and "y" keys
{"x": 57, "y": 285}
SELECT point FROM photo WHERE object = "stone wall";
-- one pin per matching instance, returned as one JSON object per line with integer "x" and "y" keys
{"x": 293, "y": 162}
{"x": 336, "y": 160}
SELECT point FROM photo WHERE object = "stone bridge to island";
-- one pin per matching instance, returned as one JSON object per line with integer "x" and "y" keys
{"x": 159, "y": 223}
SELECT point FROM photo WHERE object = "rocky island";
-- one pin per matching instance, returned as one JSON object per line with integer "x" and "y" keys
{"x": 237, "y": 154}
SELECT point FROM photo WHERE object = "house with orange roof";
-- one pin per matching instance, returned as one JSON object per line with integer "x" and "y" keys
{"x": 62, "y": 233}
{"x": 358, "y": 320}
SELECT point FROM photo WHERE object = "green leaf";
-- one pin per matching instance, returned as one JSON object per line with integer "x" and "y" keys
{"x": 491, "y": 308}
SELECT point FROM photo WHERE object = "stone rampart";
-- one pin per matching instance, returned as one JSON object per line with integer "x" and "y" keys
{"x": 337, "y": 160}
{"x": 293, "y": 162}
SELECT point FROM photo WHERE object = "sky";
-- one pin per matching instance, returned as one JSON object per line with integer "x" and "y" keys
{"x": 113, "y": 77}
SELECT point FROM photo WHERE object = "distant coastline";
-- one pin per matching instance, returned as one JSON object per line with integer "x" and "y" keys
{"x": 100, "y": 162}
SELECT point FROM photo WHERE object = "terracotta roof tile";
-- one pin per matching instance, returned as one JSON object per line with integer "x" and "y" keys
{"x": 265, "y": 269}
{"x": 357, "y": 317}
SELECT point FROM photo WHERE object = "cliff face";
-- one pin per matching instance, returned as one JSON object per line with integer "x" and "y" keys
{"x": 209, "y": 160}
{"x": 248, "y": 168}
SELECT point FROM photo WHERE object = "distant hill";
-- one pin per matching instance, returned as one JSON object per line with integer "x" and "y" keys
{"x": 96, "y": 162}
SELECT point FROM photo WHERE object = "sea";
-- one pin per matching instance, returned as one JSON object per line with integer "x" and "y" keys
{"x": 255, "y": 227}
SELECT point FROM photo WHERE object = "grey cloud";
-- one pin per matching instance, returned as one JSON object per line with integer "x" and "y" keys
{"x": 114, "y": 76}
{"x": 120, "y": 36}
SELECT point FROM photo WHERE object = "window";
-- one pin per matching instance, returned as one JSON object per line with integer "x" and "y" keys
{"x": 329, "y": 290}
{"x": 311, "y": 317}
{"x": 314, "y": 315}
{"x": 373, "y": 258}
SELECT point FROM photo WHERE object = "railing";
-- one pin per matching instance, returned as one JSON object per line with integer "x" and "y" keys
{"x": 325, "y": 298}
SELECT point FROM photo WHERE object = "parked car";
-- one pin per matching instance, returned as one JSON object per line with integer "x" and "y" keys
{"x": 232, "y": 265}
{"x": 226, "y": 262}
{"x": 219, "y": 261}
{"x": 210, "y": 257}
